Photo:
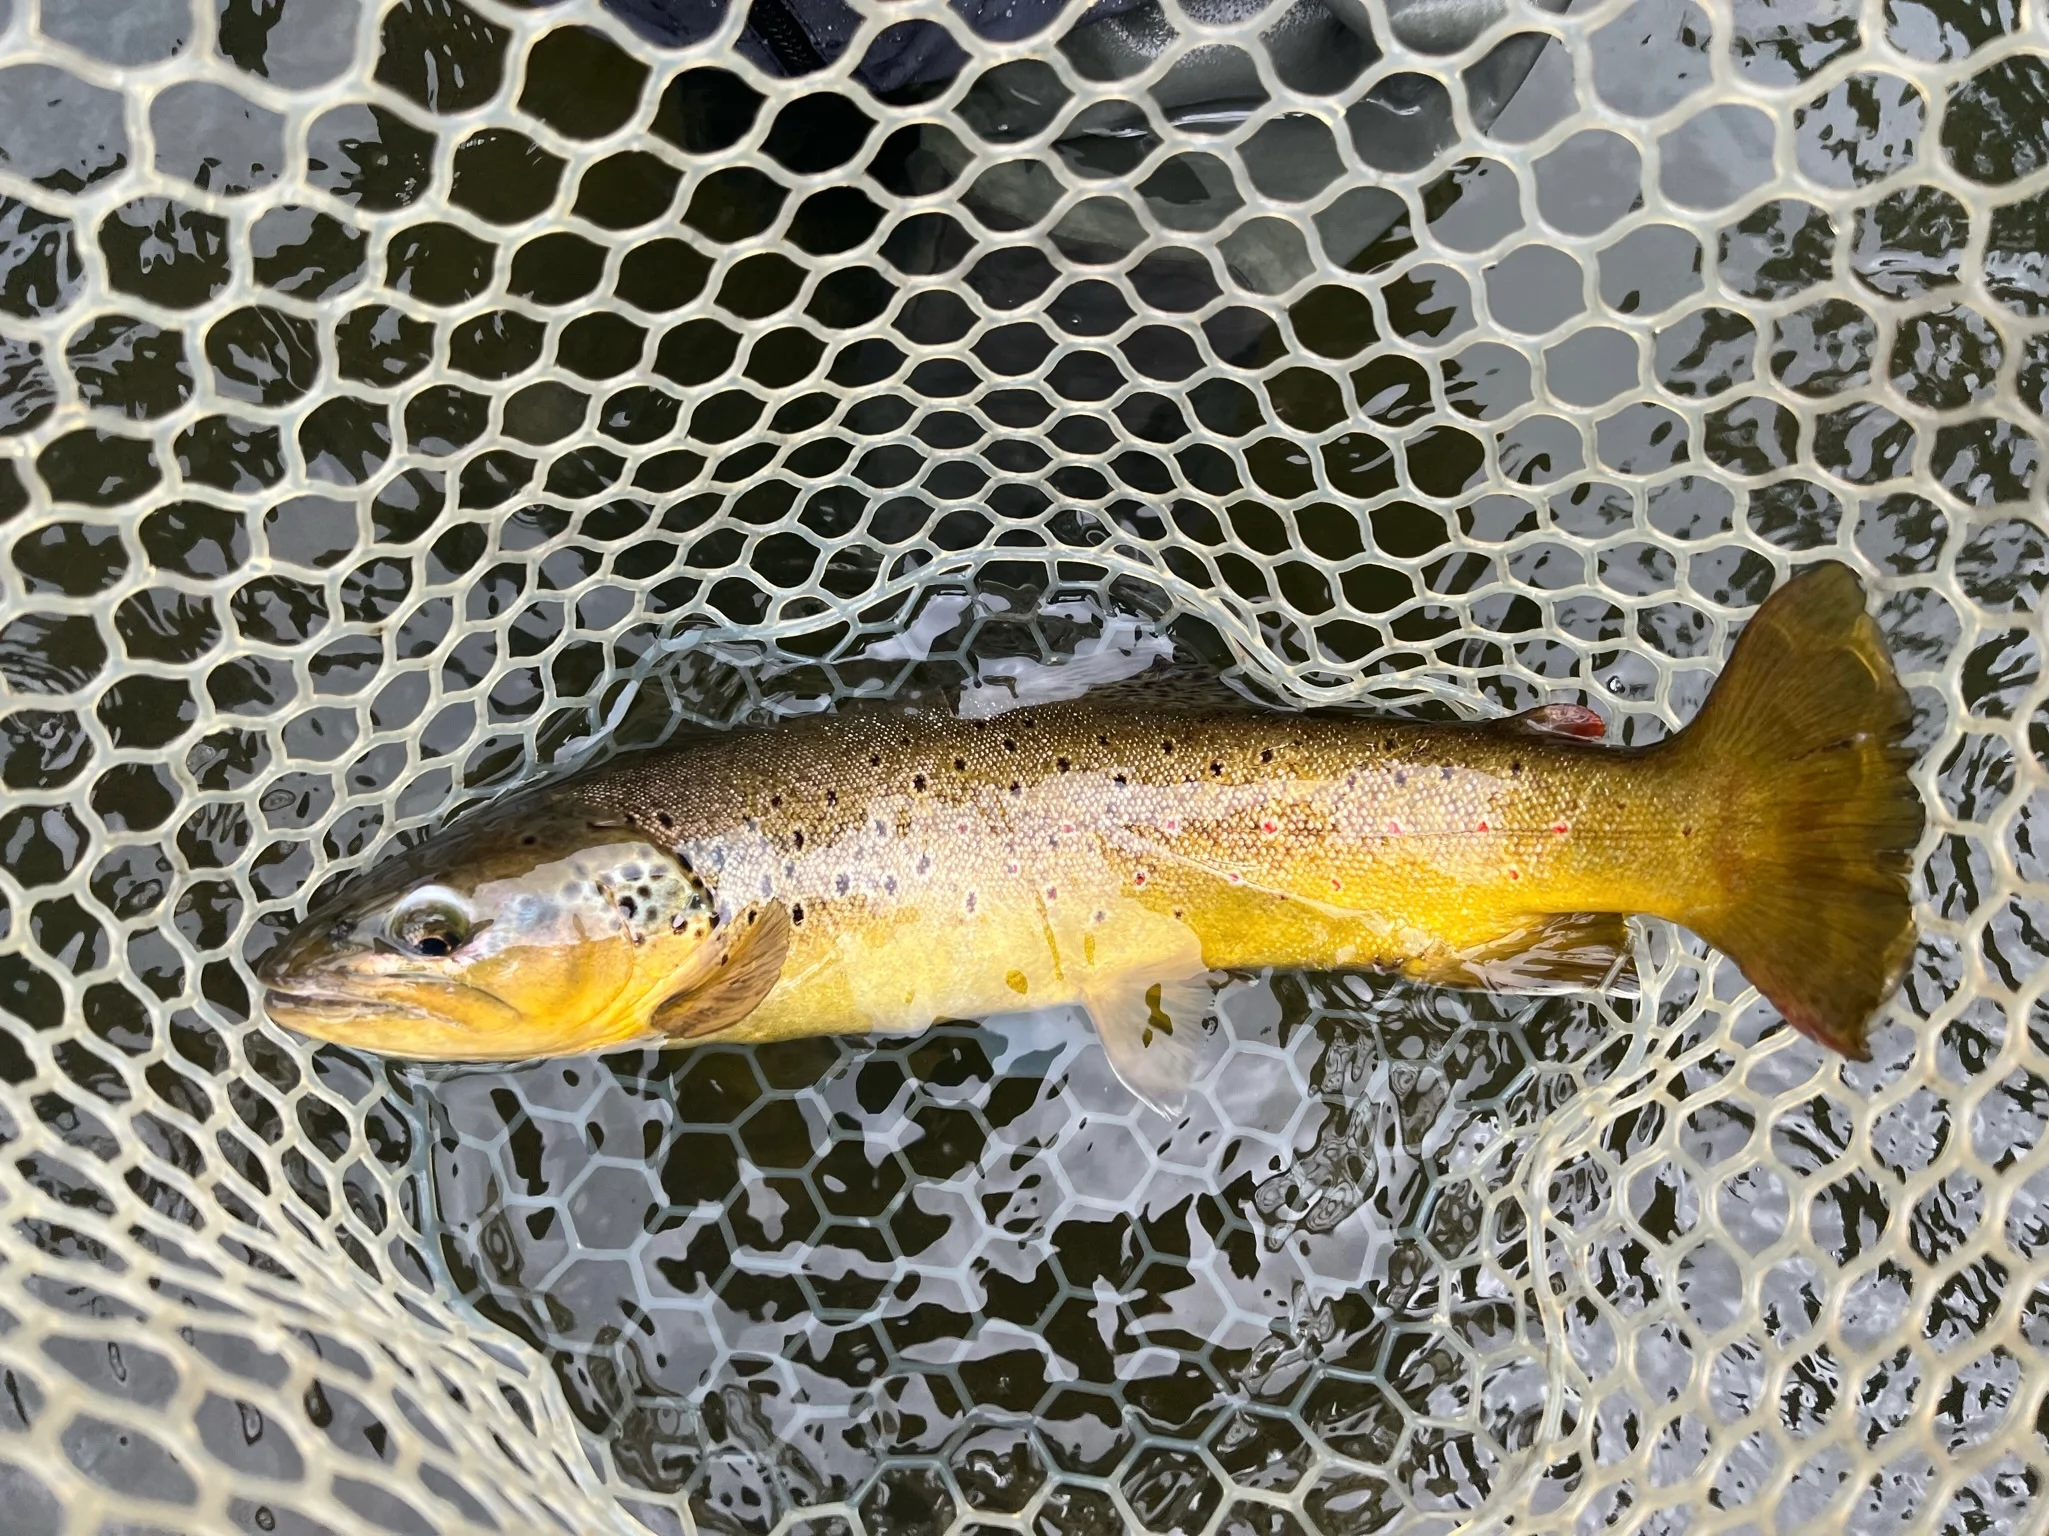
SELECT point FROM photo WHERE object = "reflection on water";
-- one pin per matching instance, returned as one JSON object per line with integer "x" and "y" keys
{"x": 762, "y": 1276}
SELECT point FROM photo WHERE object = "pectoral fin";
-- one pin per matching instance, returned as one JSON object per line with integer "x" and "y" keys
{"x": 1571, "y": 952}
{"x": 743, "y": 961}
{"x": 1151, "y": 1030}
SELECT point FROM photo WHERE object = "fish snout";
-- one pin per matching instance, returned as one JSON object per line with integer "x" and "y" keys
{"x": 321, "y": 945}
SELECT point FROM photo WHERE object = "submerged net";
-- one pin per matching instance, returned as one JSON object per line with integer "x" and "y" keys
{"x": 401, "y": 400}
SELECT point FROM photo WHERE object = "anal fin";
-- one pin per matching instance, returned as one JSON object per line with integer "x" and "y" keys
{"x": 1151, "y": 1030}
{"x": 1569, "y": 952}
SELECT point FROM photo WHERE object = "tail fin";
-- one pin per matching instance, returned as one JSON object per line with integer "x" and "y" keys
{"x": 1800, "y": 741}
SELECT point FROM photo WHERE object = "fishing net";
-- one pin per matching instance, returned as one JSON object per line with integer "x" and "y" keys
{"x": 401, "y": 401}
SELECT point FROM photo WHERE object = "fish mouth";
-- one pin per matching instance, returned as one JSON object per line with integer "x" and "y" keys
{"x": 327, "y": 1006}
{"x": 343, "y": 1004}
{"x": 391, "y": 1027}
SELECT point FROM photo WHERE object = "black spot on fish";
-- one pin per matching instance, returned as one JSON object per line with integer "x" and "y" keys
{"x": 918, "y": 781}
{"x": 960, "y": 765}
{"x": 1009, "y": 744}
{"x": 1445, "y": 774}
{"x": 971, "y": 901}
{"x": 797, "y": 839}
{"x": 775, "y": 802}
{"x": 840, "y": 885}
{"x": 628, "y": 906}
{"x": 797, "y": 912}
{"x": 1216, "y": 768}
{"x": 1030, "y": 723}
{"x": 924, "y": 863}
{"x": 874, "y": 759}
{"x": 1515, "y": 771}
{"x": 889, "y": 885}
{"x": 1102, "y": 741}
{"x": 1119, "y": 779}
{"x": 1167, "y": 747}
{"x": 529, "y": 840}
{"x": 665, "y": 821}
{"x": 1686, "y": 831}
{"x": 1400, "y": 777}
{"x": 1266, "y": 754}
{"x": 1387, "y": 743}
{"x": 1063, "y": 764}
{"x": 1016, "y": 788}
{"x": 832, "y": 797}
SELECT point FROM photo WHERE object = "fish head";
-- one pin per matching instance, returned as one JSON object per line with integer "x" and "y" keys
{"x": 534, "y": 930}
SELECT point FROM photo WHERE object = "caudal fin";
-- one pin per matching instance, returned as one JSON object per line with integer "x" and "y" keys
{"x": 1799, "y": 744}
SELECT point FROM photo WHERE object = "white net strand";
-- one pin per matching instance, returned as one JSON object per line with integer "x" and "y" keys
{"x": 401, "y": 400}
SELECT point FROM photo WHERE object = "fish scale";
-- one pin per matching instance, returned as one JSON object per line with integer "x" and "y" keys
{"x": 1336, "y": 843}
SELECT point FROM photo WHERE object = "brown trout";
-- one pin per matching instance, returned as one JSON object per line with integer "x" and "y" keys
{"x": 881, "y": 872}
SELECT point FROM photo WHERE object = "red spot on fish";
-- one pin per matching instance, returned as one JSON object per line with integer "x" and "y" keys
{"x": 1336, "y": 884}
{"x": 1011, "y": 867}
{"x": 1394, "y": 828}
{"x": 1138, "y": 877}
{"x": 1483, "y": 826}
{"x": 1269, "y": 826}
{"x": 1560, "y": 828}
{"x": 1067, "y": 826}
{"x": 1515, "y": 874}
{"x": 1052, "y": 893}
{"x": 1565, "y": 720}
{"x": 962, "y": 825}
{"x": 1234, "y": 877}
{"x": 1171, "y": 824}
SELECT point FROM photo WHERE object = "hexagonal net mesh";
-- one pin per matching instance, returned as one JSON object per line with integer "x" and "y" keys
{"x": 400, "y": 400}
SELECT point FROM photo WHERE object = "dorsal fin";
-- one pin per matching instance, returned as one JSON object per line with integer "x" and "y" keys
{"x": 743, "y": 961}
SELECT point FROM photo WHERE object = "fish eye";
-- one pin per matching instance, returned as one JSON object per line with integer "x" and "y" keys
{"x": 434, "y": 927}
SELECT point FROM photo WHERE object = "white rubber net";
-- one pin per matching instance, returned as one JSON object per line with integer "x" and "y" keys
{"x": 400, "y": 401}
